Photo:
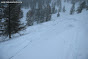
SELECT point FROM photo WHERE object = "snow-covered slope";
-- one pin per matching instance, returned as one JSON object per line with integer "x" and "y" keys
{"x": 23, "y": 20}
{"x": 64, "y": 37}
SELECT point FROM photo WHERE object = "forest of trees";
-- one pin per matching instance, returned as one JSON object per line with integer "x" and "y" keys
{"x": 12, "y": 15}
{"x": 40, "y": 11}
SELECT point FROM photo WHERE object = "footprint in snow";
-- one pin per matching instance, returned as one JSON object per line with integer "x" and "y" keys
{"x": 70, "y": 25}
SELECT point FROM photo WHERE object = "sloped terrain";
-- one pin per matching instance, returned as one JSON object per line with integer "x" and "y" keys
{"x": 64, "y": 37}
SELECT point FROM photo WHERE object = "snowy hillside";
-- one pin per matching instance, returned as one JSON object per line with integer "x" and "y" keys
{"x": 64, "y": 37}
{"x": 52, "y": 29}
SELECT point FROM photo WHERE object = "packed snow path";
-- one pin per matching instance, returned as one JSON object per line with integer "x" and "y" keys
{"x": 62, "y": 38}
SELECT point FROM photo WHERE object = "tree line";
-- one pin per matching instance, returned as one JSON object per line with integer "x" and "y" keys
{"x": 40, "y": 11}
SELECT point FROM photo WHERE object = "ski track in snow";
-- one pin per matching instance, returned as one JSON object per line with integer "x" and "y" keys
{"x": 56, "y": 39}
{"x": 70, "y": 25}
{"x": 31, "y": 42}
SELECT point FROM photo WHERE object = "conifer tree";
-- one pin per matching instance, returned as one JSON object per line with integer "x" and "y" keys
{"x": 53, "y": 9}
{"x": 12, "y": 14}
{"x": 60, "y": 6}
{"x": 72, "y": 9}
{"x": 81, "y": 7}
{"x": 48, "y": 12}
{"x": 64, "y": 9}
{"x": 58, "y": 14}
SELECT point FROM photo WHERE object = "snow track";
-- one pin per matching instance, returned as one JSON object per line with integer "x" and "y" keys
{"x": 62, "y": 38}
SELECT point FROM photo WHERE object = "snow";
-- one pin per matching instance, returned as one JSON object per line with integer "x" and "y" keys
{"x": 63, "y": 37}
{"x": 24, "y": 10}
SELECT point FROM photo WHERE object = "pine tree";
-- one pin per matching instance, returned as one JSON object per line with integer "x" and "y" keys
{"x": 64, "y": 9}
{"x": 58, "y": 14}
{"x": 48, "y": 12}
{"x": 30, "y": 17}
{"x": 40, "y": 12}
{"x": 86, "y": 7}
{"x": 72, "y": 9}
{"x": 81, "y": 7}
{"x": 53, "y": 9}
{"x": 60, "y": 6}
{"x": 12, "y": 14}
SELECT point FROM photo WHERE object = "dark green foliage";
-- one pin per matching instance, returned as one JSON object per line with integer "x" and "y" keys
{"x": 30, "y": 17}
{"x": 12, "y": 14}
{"x": 32, "y": 3}
{"x": 72, "y": 9}
{"x": 81, "y": 7}
{"x": 21, "y": 14}
{"x": 64, "y": 9}
{"x": 40, "y": 14}
{"x": 58, "y": 14}
{"x": 53, "y": 10}
{"x": 48, "y": 12}
{"x": 60, "y": 9}
{"x": 86, "y": 7}
{"x": 60, "y": 6}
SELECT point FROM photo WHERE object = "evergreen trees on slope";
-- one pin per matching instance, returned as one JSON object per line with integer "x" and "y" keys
{"x": 64, "y": 9}
{"x": 40, "y": 14}
{"x": 72, "y": 9}
{"x": 81, "y": 7}
{"x": 12, "y": 15}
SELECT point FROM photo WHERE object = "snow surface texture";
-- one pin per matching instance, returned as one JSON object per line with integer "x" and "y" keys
{"x": 64, "y": 37}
